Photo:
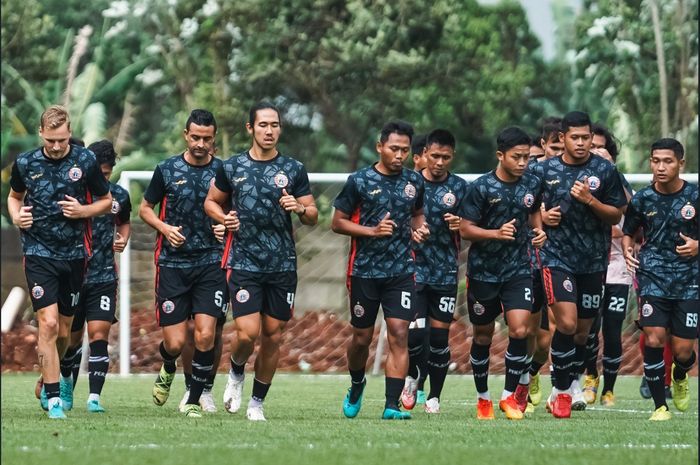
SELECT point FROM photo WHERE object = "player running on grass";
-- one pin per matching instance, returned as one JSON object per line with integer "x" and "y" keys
{"x": 259, "y": 190}
{"x": 436, "y": 271}
{"x": 381, "y": 209}
{"x": 499, "y": 213}
{"x": 667, "y": 270}
{"x": 189, "y": 280}
{"x": 584, "y": 198}
{"x": 54, "y": 191}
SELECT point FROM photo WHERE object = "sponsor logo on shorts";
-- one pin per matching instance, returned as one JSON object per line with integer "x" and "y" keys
{"x": 449, "y": 199}
{"x": 281, "y": 180}
{"x": 479, "y": 309}
{"x": 358, "y": 310}
{"x": 75, "y": 173}
{"x": 688, "y": 212}
{"x": 168, "y": 306}
{"x": 568, "y": 285}
{"x": 647, "y": 310}
{"x": 242, "y": 296}
{"x": 528, "y": 200}
{"x": 410, "y": 190}
{"x": 116, "y": 208}
{"x": 593, "y": 183}
{"x": 37, "y": 292}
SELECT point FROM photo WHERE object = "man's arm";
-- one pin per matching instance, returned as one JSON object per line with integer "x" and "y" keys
{"x": 20, "y": 214}
{"x": 171, "y": 233}
{"x": 121, "y": 237}
{"x": 214, "y": 208}
{"x": 304, "y": 206}
{"x": 342, "y": 224}
{"x": 471, "y": 232}
{"x": 73, "y": 209}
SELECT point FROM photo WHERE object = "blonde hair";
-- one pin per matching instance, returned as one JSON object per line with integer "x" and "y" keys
{"x": 55, "y": 116}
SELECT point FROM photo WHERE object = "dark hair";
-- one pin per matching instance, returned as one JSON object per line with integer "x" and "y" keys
{"x": 418, "y": 144}
{"x": 551, "y": 127}
{"x": 441, "y": 137}
{"x": 535, "y": 141}
{"x": 399, "y": 127}
{"x": 510, "y": 137}
{"x": 610, "y": 140}
{"x": 201, "y": 118}
{"x": 669, "y": 144}
{"x": 575, "y": 119}
{"x": 76, "y": 141}
{"x": 263, "y": 105}
{"x": 104, "y": 151}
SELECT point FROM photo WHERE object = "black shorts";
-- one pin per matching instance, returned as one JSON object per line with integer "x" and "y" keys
{"x": 485, "y": 301}
{"x": 434, "y": 301}
{"x": 679, "y": 316}
{"x": 615, "y": 301}
{"x": 267, "y": 293}
{"x": 585, "y": 290}
{"x": 539, "y": 300}
{"x": 395, "y": 294}
{"x": 97, "y": 302}
{"x": 182, "y": 292}
{"x": 53, "y": 281}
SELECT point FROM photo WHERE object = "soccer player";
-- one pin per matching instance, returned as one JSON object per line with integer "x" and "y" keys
{"x": 259, "y": 190}
{"x": 618, "y": 282}
{"x": 436, "y": 271}
{"x": 667, "y": 270}
{"x": 536, "y": 150}
{"x": 417, "y": 148}
{"x": 381, "y": 208}
{"x": 98, "y": 296}
{"x": 189, "y": 280}
{"x": 54, "y": 190}
{"x": 584, "y": 198}
{"x": 499, "y": 209}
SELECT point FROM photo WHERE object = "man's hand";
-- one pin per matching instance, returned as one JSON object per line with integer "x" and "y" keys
{"x": 452, "y": 221}
{"x": 219, "y": 231}
{"x": 539, "y": 239}
{"x": 552, "y": 217}
{"x": 71, "y": 208}
{"x": 231, "y": 221}
{"x": 290, "y": 204}
{"x": 581, "y": 192}
{"x": 174, "y": 235}
{"x": 631, "y": 260}
{"x": 119, "y": 243}
{"x": 507, "y": 231}
{"x": 385, "y": 228}
{"x": 689, "y": 249}
{"x": 25, "y": 219}
{"x": 421, "y": 234}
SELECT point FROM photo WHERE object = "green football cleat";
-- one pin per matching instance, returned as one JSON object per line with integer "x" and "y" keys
{"x": 93, "y": 406}
{"x": 680, "y": 390}
{"x": 161, "y": 388}
{"x": 193, "y": 411}
{"x": 392, "y": 414}
{"x": 535, "y": 392}
{"x": 660, "y": 414}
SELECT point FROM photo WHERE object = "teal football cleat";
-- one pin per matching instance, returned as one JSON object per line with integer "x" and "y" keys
{"x": 351, "y": 410}
{"x": 43, "y": 400}
{"x": 66, "y": 392}
{"x": 56, "y": 412}
{"x": 420, "y": 397}
{"x": 391, "y": 414}
{"x": 93, "y": 406}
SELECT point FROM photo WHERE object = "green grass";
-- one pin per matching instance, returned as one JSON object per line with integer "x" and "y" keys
{"x": 305, "y": 426}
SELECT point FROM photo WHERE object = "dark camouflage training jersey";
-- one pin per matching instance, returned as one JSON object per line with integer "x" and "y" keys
{"x": 264, "y": 243}
{"x": 47, "y": 182}
{"x": 436, "y": 258}
{"x": 662, "y": 217}
{"x": 581, "y": 242}
{"x": 367, "y": 197}
{"x": 101, "y": 268}
{"x": 491, "y": 203}
{"x": 180, "y": 189}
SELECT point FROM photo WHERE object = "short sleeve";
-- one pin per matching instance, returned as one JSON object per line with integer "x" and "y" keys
{"x": 472, "y": 205}
{"x": 420, "y": 195}
{"x": 16, "y": 181}
{"x": 301, "y": 183}
{"x": 96, "y": 182}
{"x": 614, "y": 193}
{"x": 221, "y": 180}
{"x": 156, "y": 188}
{"x": 348, "y": 198}
{"x": 632, "y": 217}
{"x": 124, "y": 215}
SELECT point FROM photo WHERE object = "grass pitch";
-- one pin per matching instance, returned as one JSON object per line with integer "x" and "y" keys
{"x": 305, "y": 426}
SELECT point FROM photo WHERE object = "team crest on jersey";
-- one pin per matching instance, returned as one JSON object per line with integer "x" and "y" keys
{"x": 568, "y": 285}
{"x": 593, "y": 183}
{"x": 116, "y": 208}
{"x": 647, "y": 310}
{"x": 529, "y": 200}
{"x": 410, "y": 190}
{"x": 168, "y": 306}
{"x": 449, "y": 199}
{"x": 242, "y": 296}
{"x": 688, "y": 212}
{"x": 281, "y": 180}
{"x": 479, "y": 309}
{"x": 358, "y": 310}
{"x": 37, "y": 292}
{"x": 75, "y": 173}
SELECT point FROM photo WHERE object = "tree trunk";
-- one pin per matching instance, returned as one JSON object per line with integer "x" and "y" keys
{"x": 661, "y": 64}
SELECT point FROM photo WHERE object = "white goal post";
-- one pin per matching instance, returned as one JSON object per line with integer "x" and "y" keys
{"x": 127, "y": 177}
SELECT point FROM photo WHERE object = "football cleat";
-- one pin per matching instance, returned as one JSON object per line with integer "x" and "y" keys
{"x": 255, "y": 413}
{"x": 561, "y": 408}
{"x": 408, "y": 394}
{"x": 484, "y": 410}
{"x": 590, "y": 388}
{"x": 578, "y": 402}
{"x": 193, "y": 411}
{"x": 56, "y": 412}
{"x": 607, "y": 399}
{"x": 161, "y": 388}
{"x": 93, "y": 406}
{"x": 680, "y": 390}
{"x": 184, "y": 400}
{"x": 644, "y": 390}
{"x": 351, "y": 410}
{"x": 520, "y": 396}
{"x": 66, "y": 392}
{"x": 206, "y": 401}
{"x": 392, "y": 414}
{"x": 420, "y": 397}
{"x": 535, "y": 392}
{"x": 510, "y": 407}
{"x": 432, "y": 405}
{"x": 233, "y": 393}
{"x": 661, "y": 414}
